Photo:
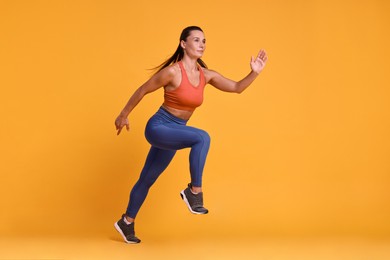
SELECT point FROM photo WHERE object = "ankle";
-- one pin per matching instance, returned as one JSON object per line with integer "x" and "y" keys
{"x": 128, "y": 220}
{"x": 195, "y": 190}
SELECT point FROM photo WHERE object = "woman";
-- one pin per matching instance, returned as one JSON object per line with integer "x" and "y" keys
{"x": 183, "y": 77}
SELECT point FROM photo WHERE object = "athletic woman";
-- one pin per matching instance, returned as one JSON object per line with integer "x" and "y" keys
{"x": 183, "y": 77}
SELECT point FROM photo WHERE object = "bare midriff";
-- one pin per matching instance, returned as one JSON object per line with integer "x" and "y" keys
{"x": 182, "y": 114}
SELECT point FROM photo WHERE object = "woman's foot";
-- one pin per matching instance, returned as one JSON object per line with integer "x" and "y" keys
{"x": 127, "y": 231}
{"x": 193, "y": 201}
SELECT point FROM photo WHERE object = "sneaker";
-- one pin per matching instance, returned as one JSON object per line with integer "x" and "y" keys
{"x": 127, "y": 231}
{"x": 193, "y": 201}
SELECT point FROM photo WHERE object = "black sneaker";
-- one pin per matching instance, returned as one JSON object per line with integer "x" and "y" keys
{"x": 127, "y": 231}
{"x": 193, "y": 201}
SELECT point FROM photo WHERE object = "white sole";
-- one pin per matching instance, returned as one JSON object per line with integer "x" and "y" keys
{"x": 183, "y": 196}
{"x": 123, "y": 235}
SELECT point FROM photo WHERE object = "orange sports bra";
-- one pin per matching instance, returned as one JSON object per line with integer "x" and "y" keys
{"x": 186, "y": 96}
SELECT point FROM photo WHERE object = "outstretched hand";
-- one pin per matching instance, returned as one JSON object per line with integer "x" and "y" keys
{"x": 120, "y": 122}
{"x": 258, "y": 63}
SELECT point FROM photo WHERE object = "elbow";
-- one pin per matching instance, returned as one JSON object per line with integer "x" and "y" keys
{"x": 239, "y": 91}
{"x": 239, "y": 88}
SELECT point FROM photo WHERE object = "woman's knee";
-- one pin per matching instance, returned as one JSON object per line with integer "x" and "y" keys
{"x": 204, "y": 137}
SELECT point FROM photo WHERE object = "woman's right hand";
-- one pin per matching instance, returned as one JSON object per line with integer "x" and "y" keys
{"x": 120, "y": 122}
{"x": 161, "y": 78}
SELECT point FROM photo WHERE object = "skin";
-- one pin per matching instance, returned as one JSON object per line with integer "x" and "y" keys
{"x": 170, "y": 78}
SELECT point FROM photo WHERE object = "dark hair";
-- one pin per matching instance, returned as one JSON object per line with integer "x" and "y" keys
{"x": 179, "y": 53}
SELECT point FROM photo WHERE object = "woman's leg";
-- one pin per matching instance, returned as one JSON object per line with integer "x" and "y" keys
{"x": 174, "y": 136}
{"x": 156, "y": 162}
{"x": 167, "y": 134}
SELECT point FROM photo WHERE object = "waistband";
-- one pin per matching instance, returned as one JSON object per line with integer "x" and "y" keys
{"x": 162, "y": 111}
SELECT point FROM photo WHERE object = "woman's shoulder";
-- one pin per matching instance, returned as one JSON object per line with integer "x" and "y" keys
{"x": 208, "y": 73}
{"x": 174, "y": 68}
{"x": 171, "y": 70}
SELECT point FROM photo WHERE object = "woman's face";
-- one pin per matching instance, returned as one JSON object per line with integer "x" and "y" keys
{"x": 195, "y": 44}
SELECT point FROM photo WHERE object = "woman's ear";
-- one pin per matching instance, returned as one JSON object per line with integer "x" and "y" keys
{"x": 183, "y": 44}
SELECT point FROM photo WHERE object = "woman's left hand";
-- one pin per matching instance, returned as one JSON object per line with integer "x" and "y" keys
{"x": 258, "y": 64}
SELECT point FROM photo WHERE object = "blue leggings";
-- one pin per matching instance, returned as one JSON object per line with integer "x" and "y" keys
{"x": 167, "y": 134}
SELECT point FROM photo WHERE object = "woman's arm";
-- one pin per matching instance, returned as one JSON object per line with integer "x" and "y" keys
{"x": 160, "y": 79}
{"x": 225, "y": 84}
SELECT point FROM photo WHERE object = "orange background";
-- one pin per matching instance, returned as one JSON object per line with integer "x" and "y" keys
{"x": 305, "y": 150}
